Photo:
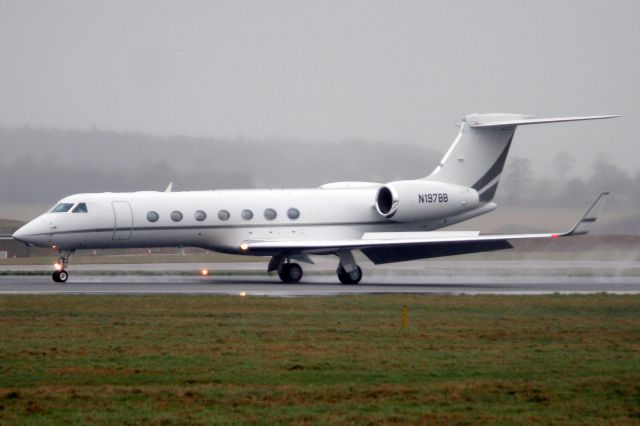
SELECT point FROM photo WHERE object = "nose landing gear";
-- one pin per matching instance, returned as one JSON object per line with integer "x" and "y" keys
{"x": 60, "y": 275}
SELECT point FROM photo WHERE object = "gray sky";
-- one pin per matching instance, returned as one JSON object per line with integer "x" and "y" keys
{"x": 402, "y": 71}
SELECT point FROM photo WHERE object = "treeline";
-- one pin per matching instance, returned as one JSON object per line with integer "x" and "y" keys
{"x": 43, "y": 165}
{"x": 40, "y": 166}
{"x": 519, "y": 187}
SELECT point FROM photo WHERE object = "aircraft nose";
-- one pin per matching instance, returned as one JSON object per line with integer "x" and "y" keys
{"x": 31, "y": 233}
{"x": 20, "y": 234}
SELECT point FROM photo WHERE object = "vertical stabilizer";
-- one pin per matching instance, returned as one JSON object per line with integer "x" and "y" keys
{"x": 478, "y": 154}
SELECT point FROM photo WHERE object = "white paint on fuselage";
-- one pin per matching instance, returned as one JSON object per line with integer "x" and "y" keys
{"x": 325, "y": 214}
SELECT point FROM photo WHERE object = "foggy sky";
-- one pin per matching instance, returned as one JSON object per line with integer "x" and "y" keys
{"x": 403, "y": 72}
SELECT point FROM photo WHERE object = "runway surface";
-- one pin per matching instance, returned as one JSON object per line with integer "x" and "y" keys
{"x": 438, "y": 278}
{"x": 251, "y": 286}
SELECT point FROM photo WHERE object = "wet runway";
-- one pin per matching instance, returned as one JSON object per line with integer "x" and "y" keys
{"x": 322, "y": 285}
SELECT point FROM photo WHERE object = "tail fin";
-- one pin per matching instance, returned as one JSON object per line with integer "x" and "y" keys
{"x": 477, "y": 156}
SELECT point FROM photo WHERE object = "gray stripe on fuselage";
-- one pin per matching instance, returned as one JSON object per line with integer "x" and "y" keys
{"x": 196, "y": 227}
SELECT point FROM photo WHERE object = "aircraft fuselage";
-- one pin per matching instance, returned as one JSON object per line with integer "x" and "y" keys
{"x": 222, "y": 220}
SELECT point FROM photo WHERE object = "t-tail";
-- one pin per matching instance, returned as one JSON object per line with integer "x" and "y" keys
{"x": 477, "y": 156}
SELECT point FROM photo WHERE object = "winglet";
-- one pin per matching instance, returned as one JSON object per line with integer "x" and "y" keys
{"x": 169, "y": 187}
{"x": 583, "y": 226}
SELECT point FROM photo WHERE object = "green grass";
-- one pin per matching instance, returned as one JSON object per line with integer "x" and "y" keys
{"x": 340, "y": 360}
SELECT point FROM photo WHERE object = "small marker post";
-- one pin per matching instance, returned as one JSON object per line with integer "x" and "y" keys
{"x": 405, "y": 320}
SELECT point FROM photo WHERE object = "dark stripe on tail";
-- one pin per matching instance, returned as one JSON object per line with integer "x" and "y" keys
{"x": 494, "y": 170}
{"x": 489, "y": 193}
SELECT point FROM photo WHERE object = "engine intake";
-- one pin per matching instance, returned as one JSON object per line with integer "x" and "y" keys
{"x": 387, "y": 201}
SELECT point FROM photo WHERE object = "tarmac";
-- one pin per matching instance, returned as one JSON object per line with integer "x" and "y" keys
{"x": 421, "y": 277}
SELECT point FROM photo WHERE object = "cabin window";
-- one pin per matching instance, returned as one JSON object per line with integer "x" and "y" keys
{"x": 270, "y": 214}
{"x": 81, "y": 208}
{"x": 293, "y": 213}
{"x": 176, "y": 216}
{"x": 153, "y": 216}
{"x": 62, "y": 208}
{"x": 200, "y": 215}
{"x": 246, "y": 214}
{"x": 223, "y": 215}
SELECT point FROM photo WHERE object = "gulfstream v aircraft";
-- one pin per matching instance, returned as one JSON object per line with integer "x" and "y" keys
{"x": 389, "y": 222}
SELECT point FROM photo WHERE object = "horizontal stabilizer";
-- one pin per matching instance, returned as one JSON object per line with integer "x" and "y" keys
{"x": 508, "y": 120}
{"x": 6, "y": 237}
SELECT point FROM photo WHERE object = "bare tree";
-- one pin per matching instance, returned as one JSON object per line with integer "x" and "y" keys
{"x": 563, "y": 164}
{"x": 517, "y": 177}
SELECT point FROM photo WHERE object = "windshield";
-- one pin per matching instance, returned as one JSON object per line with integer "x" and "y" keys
{"x": 62, "y": 207}
{"x": 80, "y": 208}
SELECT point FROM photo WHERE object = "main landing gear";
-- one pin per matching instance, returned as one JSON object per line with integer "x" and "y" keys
{"x": 60, "y": 275}
{"x": 352, "y": 277}
{"x": 287, "y": 271}
{"x": 290, "y": 273}
{"x": 348, "y": 271}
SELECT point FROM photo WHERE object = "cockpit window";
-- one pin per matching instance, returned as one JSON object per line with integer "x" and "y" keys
{"x": 62, "y": 208}
{"x": 81, "y": 208}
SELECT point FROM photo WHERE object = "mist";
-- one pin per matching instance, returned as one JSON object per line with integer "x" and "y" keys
{"x": 119, "y": 96}
{"x": 40, "y": 166}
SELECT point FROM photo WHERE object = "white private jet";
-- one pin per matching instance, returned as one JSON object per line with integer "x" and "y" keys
{"x": 389, "y": 222}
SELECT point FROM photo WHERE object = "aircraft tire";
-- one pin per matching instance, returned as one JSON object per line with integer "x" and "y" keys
{"x": 56, "y": 276}
{"x": 63, "y": 276}
{"x": 290, "y": 273}
{"x": 349, "y": 278}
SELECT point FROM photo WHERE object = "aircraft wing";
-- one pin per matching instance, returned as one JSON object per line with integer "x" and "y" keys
{"x": 386, "y": 247}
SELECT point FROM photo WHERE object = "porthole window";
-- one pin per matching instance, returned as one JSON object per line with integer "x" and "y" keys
{"x": 270, "y": 214}
{"x": 293, "y": 213}
{"x": 176, "y": 216}
{"x": 246, "y": 214}
{"x": 200, "y": 215}
{"x": 153, "y": 216}
{"x": 223, "y": 215}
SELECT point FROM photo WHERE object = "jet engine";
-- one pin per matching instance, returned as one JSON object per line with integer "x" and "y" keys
{"x": 417, "y": 200}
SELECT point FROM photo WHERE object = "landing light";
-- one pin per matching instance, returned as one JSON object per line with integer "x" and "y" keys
{"x": 244, "y": 246}
{"x": 243, "y": 293}
{"x": 204, "y": 272}
{"x": 57, "y": 266}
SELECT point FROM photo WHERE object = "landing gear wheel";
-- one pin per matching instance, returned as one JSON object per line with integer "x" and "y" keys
{"x": 290, "y": 273}
{"x": 60, "y": 276}
{"x": 353, "y": 277}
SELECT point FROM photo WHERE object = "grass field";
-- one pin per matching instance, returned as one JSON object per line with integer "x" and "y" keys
{"x": 339, "y": 360}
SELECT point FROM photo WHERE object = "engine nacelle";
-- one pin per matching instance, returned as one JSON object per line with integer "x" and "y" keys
{"x": 418, "y": 200}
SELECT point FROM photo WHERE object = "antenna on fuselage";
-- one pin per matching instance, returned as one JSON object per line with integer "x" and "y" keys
{"x": 169, "y": 187}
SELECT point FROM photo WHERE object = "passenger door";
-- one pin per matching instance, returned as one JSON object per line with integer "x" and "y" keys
{"x": 123, "y": 220}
